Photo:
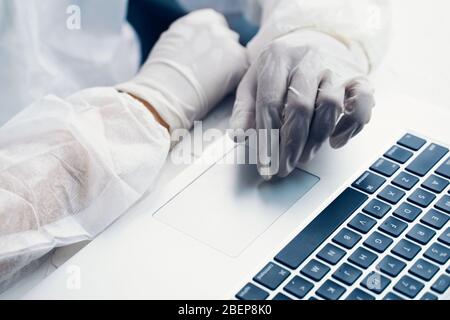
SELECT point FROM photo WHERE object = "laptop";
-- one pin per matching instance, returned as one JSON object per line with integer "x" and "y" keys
{"x": 368, "y": 221}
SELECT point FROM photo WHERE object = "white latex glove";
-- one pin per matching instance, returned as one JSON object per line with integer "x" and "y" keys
{"x": 193, "y": 66}
{"x": 313, "y": 88}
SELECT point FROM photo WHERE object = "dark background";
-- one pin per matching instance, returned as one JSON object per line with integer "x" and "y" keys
{"x": 152, "y": 17}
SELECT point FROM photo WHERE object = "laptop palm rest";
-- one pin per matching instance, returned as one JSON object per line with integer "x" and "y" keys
{"x": 230, "y": 205}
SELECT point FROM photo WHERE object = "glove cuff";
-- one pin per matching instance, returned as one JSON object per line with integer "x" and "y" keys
{"x": 167, "y": 106}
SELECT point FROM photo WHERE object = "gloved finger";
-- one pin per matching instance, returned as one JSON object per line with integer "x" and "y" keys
{"x": 298, "y": 115}
{"x": 272, "y": 78}
{"x": 244, "y": 110}
{"x": 329, "y": 106}
{"x": 358, "y": 105}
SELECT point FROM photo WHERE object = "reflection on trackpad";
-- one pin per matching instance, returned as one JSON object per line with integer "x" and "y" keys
{"x": 229, "y": 206}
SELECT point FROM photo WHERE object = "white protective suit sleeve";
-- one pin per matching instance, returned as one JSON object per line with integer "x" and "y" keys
{"x": 69, "y": 168}
{"x": 362, "y": 22}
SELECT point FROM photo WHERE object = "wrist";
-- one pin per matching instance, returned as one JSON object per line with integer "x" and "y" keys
{"x": 152, "y": 110}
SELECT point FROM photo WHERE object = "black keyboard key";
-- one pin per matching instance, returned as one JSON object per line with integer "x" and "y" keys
{"x": 378, "y": 242}
{"x": 405, "y": 180}
{"x": 435, "y": 219}
{"x": 420, "y": 234}
{"x": 407, "y": 212}
{"x": 391, "y": 194}
{"x": 438, "y": 253}
{"x": 362, "y": 258}
{"x": 393, "y": 226}
{"x": 315, "y": 233}
{"x": 385, "y": 167}
{"x": 392, "y": 296}
{"x": 331, "y": 254}
{"x": 369, "y": 182}
{"x": 315, "y": 270}
{"x": 444, "y": 204}
{"x": 271, "y": 276}
{"x": 427, "y": 160}
{"x": 299, "y": 287}
{"x": 362, "y": 223}
{"x": 377, "y": 209}
{"x": 252, "y": 292}
{"x": 441, "y": 284}
{"x": 445, "y": 237}
{"x": 375, "y": 282}
{"x": 347, "y": 274}
{"x": 330, "y": 290}
{"x": 429, "y": 296}
{"x": 391, "y": 266}
{"x": 398, "y": 154}
{"x": 411, "y": 142}
{"x": 424, "y": 269}
{"x": 358, "y": 294}
{"x": 444, "y": 169}
{"x": 406, "y": 249}
{"x": 408, "y": 286}
{"x": 281, "y": 297}
{"x": 347, "y": 238}
{"x": 421, "y": 197}
{"x": 435, "y": 184}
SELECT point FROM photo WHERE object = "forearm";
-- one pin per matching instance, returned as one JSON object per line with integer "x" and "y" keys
{"x": 152, "y": 110}
{"x": 70, "y": 167}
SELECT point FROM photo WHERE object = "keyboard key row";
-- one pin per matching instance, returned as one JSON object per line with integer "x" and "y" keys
{"x": 313, "y": 235}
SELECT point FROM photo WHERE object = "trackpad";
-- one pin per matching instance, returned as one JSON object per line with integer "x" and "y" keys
{"x": 230, "y": 205}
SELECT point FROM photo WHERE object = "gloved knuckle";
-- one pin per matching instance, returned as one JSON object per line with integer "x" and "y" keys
{"x": 205, "y": 16}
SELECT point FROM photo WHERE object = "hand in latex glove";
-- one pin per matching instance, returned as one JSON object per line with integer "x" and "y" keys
{"x": 312, "y": 88}
{"x": 191, "y": 68}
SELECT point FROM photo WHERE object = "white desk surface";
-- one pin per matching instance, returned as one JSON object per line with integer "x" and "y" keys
{"x": 417, "y": 64}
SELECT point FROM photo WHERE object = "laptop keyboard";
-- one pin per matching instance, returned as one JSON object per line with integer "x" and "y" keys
{"x": 385, "y": 237}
